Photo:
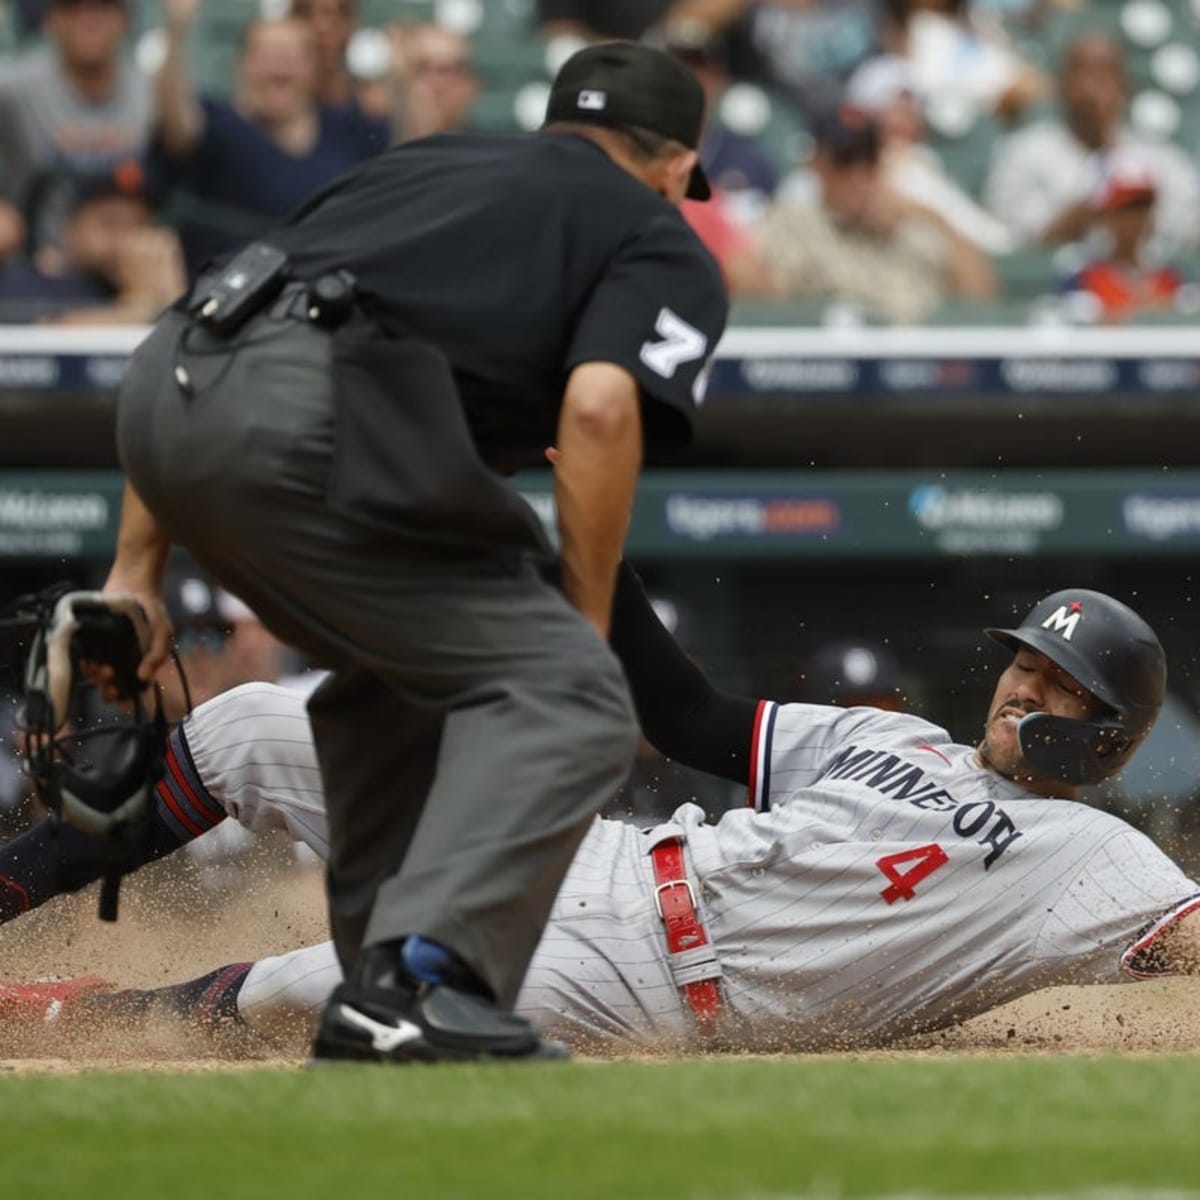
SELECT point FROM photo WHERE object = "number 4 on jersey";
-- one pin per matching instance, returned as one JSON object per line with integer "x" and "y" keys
{"x": 925, "y": 860}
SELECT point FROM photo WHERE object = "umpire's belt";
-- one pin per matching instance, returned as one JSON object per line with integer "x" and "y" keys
{"x": 690, "y": 955}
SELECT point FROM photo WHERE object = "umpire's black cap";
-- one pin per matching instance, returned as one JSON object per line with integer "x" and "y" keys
{"x": 625, "y": 83}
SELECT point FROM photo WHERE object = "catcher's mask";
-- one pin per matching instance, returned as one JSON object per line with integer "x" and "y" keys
{"x": 112, "y": 795}
{"x": 1111, "y": 653}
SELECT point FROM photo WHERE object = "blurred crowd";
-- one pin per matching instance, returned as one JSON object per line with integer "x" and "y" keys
{"x": 840, "y": 139}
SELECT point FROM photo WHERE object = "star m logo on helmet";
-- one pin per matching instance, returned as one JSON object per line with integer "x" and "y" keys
{"x": 1064, "y": 619}
{"x": 593, "y": 101}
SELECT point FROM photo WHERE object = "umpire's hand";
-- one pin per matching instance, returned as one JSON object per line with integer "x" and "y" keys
{"x": 158, "y": 648}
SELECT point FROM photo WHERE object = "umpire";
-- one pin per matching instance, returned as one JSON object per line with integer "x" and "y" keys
{"x": 325, "y": 422}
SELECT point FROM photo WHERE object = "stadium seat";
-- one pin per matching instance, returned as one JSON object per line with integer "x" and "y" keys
{"x": 967, "y": 157}
{"x": 1025, "y": 274}
{"x": 507, "y": 48}
{"x": 777, "y": 312}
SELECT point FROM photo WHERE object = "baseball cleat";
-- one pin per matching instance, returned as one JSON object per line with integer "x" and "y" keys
{"x": 392, "y": 1018}
{"x": 45, "y": 1000}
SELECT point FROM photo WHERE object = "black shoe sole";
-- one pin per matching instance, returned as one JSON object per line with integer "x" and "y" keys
{"x": 334, "y": 1044}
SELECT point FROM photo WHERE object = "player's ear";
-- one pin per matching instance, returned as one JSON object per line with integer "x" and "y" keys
{"x": 670, "y": 172}
{"x": 678, "y": 172}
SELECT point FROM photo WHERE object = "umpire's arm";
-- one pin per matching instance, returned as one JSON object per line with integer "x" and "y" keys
{"x": 681, "y": 713}
{"x": 599, "y": 457}
{"x": 137, "y": 570}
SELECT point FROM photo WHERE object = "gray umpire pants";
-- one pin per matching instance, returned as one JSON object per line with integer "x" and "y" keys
{"x": 473, "y": 724}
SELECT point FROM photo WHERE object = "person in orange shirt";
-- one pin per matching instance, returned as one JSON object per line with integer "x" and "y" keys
{"x": 1125, "y": 282}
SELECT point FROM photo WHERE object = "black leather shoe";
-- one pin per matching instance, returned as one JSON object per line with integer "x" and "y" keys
{"x": 383, "y": 1015}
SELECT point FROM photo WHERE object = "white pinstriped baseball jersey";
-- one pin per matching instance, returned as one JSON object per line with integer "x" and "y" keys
{"x": 888, "y": 883}
{"x": 884, "y": 883}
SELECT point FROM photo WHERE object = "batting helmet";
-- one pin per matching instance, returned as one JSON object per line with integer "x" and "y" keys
{"x": 1112, "y": 653}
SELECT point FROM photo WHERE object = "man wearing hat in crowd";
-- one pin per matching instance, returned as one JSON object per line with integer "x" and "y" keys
{"x": 77, "y": 102}
{"x": 885, "y": 89}
{"x": 108, "y": 262}
{"x": 325, "y": 422}
{"x": 845, "y": 234}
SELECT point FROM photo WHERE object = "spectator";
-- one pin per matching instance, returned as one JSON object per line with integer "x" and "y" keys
{"x": 1126, "y": 282}
{"x": 857, "y": 240}
{"x": 884, "y": 89}
{"x": 1028, "y": 16}
{"x": 331, "y": 24}
{"x": 113, "y": 266}
{"x": 742, "y": 180}
{"x": 435, "y": 82}
{"x": 960, "y": 59}
{"x": 801, "y": 49}
{"x": 246, "y": 165}
{"x": 75, "y": 102}
{"x": 734, "y": 164}
{"x": 731, "y": 244}
{"x": 1042, "y": 177}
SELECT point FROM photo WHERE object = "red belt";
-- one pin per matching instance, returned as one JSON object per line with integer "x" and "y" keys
{"x": 676, "y": 904}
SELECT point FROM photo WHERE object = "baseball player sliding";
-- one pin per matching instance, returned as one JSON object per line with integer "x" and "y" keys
{"x": 882, "y": 881}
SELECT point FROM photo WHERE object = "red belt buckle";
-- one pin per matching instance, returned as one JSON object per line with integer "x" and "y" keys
{"x": 675, "y": 903}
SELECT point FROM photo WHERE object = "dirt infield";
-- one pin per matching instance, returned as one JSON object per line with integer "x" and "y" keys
{"x": 1153, "y": 1017}
{"x": 178, "y": 922}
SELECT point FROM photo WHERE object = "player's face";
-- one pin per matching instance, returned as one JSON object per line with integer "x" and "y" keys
{"x": 1032, "y": 683}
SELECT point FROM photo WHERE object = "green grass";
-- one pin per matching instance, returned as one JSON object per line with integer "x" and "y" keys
{"x": 708, "y": 1129}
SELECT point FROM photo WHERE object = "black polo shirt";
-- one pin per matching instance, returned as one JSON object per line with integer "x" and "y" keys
{"x": 521, "y": 258}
